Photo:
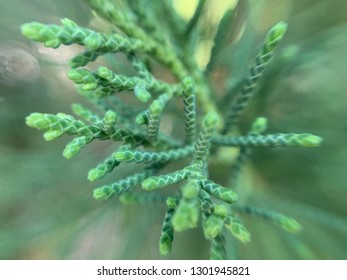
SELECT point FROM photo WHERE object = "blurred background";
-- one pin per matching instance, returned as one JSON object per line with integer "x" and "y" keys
{"x": 46, "y": 205}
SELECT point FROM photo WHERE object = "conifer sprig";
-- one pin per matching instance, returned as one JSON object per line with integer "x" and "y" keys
{"x": 237, "y": 229}
{"x": 103, "y": 168}
{"x": 146, "y": 157}
{"x": 122, "y": 186}
{"x": 143, "y": 38}
{"x": 287, "y": 223}
{"x": 189, "y": 109}
{"x": 218, "y": 191}
{"x": 70, "y": 33}
{"x": 161, "y": 181}
{"x": 56, "y": 125}
{"x": 270, "y": 140}
{"x": 105, "y": 82}
{"x": 238, "y": 105}
{"x": 153, "y": 120}
{"x": 203, "y": 142}
{"x": 167, "y": 233}
{"x": 161, "y": 52}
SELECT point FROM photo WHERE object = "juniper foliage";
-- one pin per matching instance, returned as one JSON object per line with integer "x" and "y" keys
{"x": 139, "y": 35}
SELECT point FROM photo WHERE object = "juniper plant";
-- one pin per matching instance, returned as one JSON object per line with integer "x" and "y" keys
{"x": 143, "y": 39}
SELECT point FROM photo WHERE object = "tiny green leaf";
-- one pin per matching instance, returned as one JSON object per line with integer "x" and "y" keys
{"x": 102, "y": 193}
{"x": 213, "y": 226}
{"x": 237, "y": 229}
{"x": 186, "y": 216}
{"x": 141, "y": 92}
{"x": 37, "y": 120}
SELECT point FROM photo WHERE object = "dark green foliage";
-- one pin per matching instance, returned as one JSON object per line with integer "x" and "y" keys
{"x": 151, "y": 148}
{"x": 217, "y": 248}
{"x": 167, "y": 232}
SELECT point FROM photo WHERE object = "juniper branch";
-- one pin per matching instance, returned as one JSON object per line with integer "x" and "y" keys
{"x": 270, "y": 140}
{"x": 189, "y": 109}
{"x": 218, "y": 191}
{"x": 237, "y": 229}
{"x": 139, "y": 156}
{"x": 238, "y": 105}
{"x": 103, "y": 168}
{"x": 203, "y": 143}
{"x": 153, "y": 119}
{"x": 167, "y": 233}
{"x": 70, "y": 33}
{"x": 162, "y": 53}
{"x": 122, "y": 186}
{"x": 286, "y": 223}
{"x": 74, "y": 147}
{"x": 161, "y": 181}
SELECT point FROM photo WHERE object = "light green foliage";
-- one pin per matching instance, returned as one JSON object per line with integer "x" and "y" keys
{"x": 213, "y": 226}
{"x": 271, "y": 140}
{"x": 141, "y": 92}
{"x": 237, "y": 107}
{"x": 189, "y": 109}
{"x": 167, "y": 232}
{"x": 220, "y": 210}
{"x": 121, "y": 186}
{"x": 273, "y": 37}
{"x": 237, "y": 229}
{"x": 56, "y": 125}
{"x": 146, "y": 157}
{"x": 218, "y": 191}
{"x": 172, "y": 202}
{"x": 154, "y": 116}
{"x": 70, "y": 33}
{"x": 217, "y": 251}
{"x": 148, "y": 42}
{"x": 75, "y": 146}
{"x": 186, "y": 215}
{"x": 109, "y": 121}
{"x": 204, "y": 139}
{"x": 258, "y": 126}
{"x": 161, "y": 181}
{"x": 191, "y": 190}
{"x": 105, "y": 82}
{"x": 103, "y": 168}
{"x": 163, "y": 53}
{"x": 157, "y": 105}
{"x": 287, "y": 223}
